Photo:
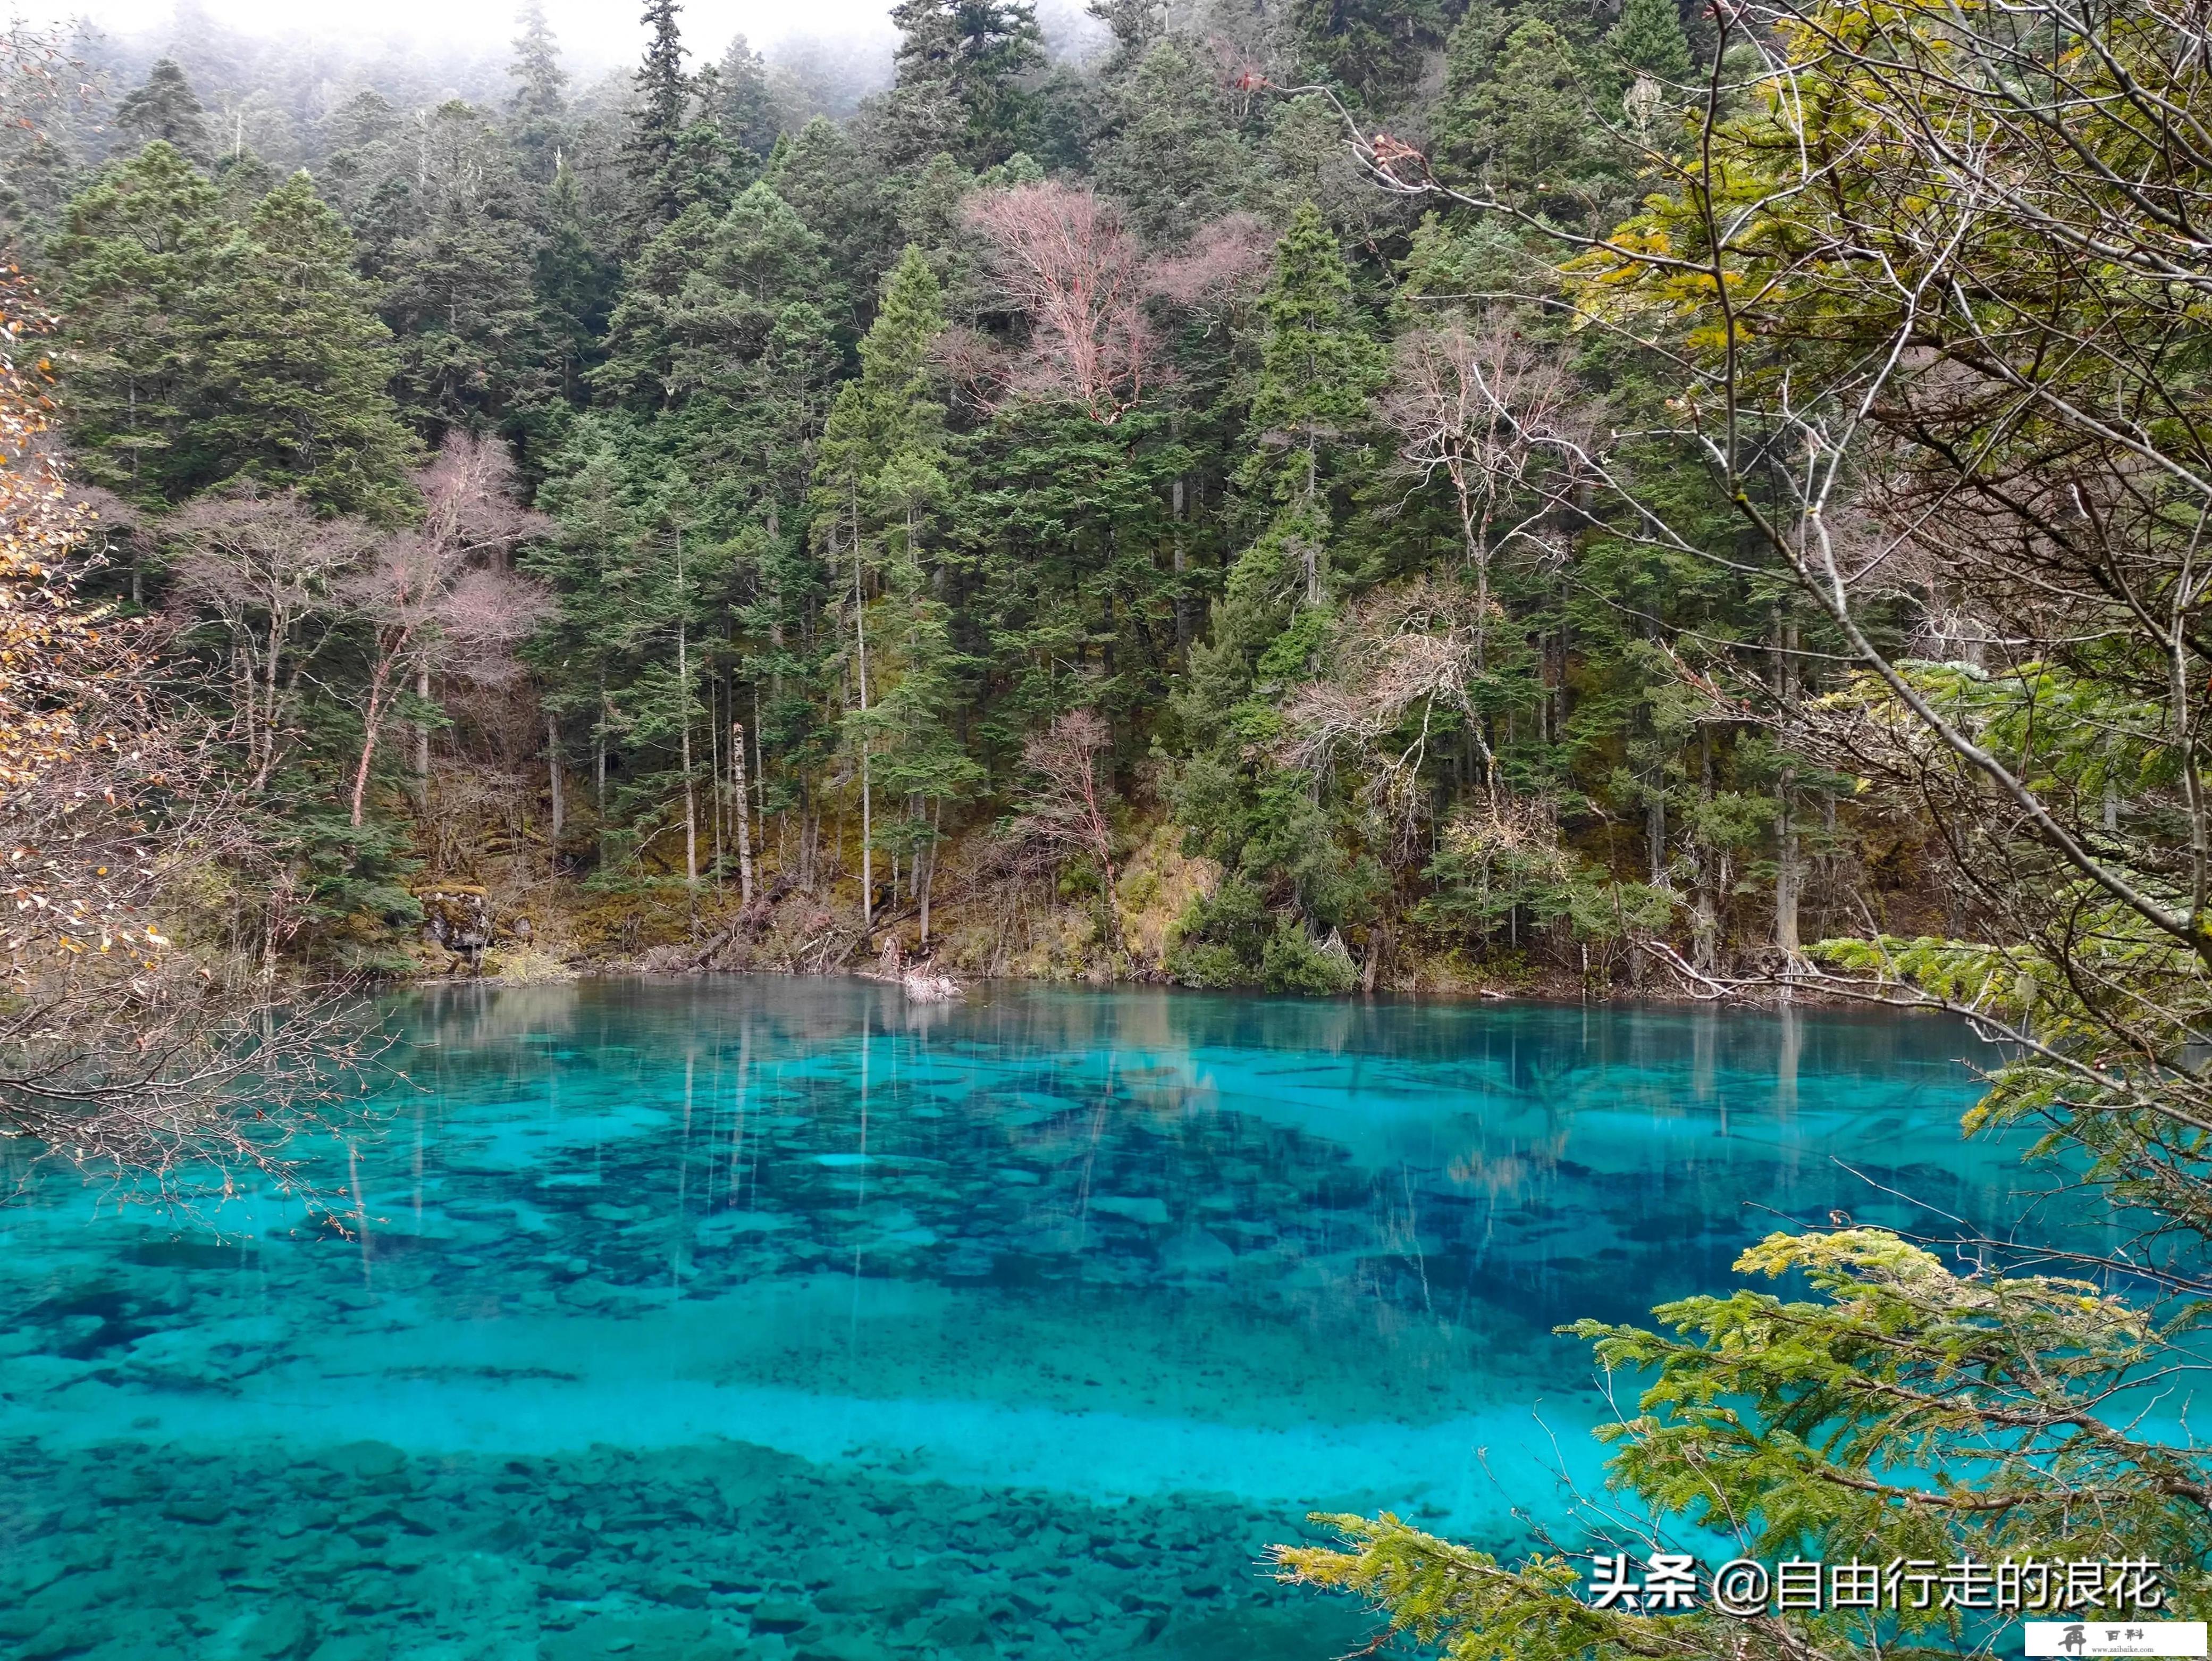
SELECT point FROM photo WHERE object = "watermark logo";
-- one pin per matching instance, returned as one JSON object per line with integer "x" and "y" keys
{"x": 2090, "y": 1589}
{"x": 2099, "y": 1637}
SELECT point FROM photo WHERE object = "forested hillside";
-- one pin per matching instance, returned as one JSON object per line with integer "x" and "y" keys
{"x": 689, "y": 504}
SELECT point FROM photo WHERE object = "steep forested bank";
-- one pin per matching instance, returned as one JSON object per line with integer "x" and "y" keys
{"x": 716, "y": 533}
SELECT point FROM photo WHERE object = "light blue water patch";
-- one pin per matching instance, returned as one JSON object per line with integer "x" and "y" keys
{"x": 780, "y": 1318}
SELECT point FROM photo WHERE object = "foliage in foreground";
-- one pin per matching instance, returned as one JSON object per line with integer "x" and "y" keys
{"x": 1844, "y": 289}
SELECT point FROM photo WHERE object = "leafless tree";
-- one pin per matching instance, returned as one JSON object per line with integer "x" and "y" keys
{"x": 442, "y": 597}
{"x": 263, "y": 566}
{"x": 1488, "y": 414}
{"x": 120, "y": 1052}
{"x": 1065, "y": 259}
{"x": 1064, "y": 806}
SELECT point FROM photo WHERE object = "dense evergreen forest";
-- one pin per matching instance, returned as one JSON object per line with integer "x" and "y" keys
{"x": 710, "y": 506}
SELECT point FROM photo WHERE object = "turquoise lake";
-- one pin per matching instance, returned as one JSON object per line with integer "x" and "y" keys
{"x": 780, "y": 1318}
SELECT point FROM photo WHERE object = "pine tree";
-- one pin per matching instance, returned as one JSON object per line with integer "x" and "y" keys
{"x": 136, "y": 253}
{"x": 298, "y": 361}
{"x": 1649, "y": 40}
{"x": 166, "y": 109}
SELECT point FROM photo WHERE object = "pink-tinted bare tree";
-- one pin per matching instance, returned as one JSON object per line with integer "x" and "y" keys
{"x": 443, "y": 597}
{"x": 264, "y": 567}
{"x": 1066, "y": 260}
{"x": 1064, "y": 809}
{"x": 1226, "y": 261}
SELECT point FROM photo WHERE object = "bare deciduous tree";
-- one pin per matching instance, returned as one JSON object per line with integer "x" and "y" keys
{"x": 262, "y": 565}
{"x": 1064, "y": 807}
{"x": 1066, "y": 260}
{"x": 441, "y": 596}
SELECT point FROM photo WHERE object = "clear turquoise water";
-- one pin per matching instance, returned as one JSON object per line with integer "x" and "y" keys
{"x": 780, "y": 1319}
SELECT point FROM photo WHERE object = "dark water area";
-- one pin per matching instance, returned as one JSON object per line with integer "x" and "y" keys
{"x": 780, "y": 1318}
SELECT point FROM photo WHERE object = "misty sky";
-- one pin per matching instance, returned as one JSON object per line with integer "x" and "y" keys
{"x": 593, "y": 32}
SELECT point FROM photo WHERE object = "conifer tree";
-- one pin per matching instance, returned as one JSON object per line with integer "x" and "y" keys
{"x": 1374, "y": 48}
{"x": 1317, "y": 368}
{"x": 660, "y": 114}
{"x": 459, "y": 300}
{"x": 882, "y": 464}
{"x": 538, "y": 109}
{"x": 137, "y": 250}
{"x": 575, "y": 284}
{"x": 166, "y": 109}
{"x": 1648, "y": 40}
{"x": 971, "y": 55}
{"x": 744, "y": 103}
{"x": 298, "y": 361}
{"x": 820, "y": 172}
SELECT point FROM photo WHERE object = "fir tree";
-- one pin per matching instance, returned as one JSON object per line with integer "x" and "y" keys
{"x": 660, "y": 113}
{"x": 538, "y": 108}
{"x": 1649, "y": 40}
{"x": 1317, "y": 368}
{"x": 970, "y": 55}
{"x": 820, "y": 172}
{"x": 881, "y": 465}
{"x": 575, "y": 284}
{"x": 460, "y": 299}
{"x": 744, "y": 103}
{"x": 137, "y": 253}
{"x": 167, "y": 110}
{"x": 1374, "y": 48}
{"x": 298, "y": 361}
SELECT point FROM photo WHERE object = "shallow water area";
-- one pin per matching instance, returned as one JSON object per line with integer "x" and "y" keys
{"x": 742, "y": 1316}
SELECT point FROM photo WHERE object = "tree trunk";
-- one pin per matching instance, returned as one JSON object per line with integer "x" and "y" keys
{"x": 599, "y": 766}
{"x": 684, "y": 752}
{"x": 714, "y": 778}
{"x": 1787, "y": 879}
{"x": 929, "y": 876}
{"x": 372, "y": 720}
{"x": 743, "y": 822}
{"x": 860, "y": 640}
{"x": 553, "y": 779}
{"x": 1182, "y": 600}
{"x": 683, "y": 747}
{"x": 1705, "y": 924}
{"x": 422, "y": 742}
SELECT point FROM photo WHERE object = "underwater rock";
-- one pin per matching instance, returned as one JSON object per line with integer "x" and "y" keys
{"x": 845, "y": 1646}
{"x": 781, "y": 1615}
{"x": 353, "y": 1646}
{"x": 363, "y": 1462}
{"x": 1138, "y": 1209}
{"x": 890, "y": 1598}
{"x": 641, "y": 1638}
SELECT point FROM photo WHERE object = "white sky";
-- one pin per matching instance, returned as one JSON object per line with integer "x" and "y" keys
{"x": 593, "y": 33}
